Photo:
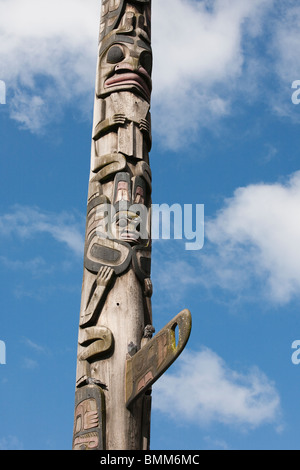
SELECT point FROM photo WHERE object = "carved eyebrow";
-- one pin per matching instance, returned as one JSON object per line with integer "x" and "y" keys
{"x": 115, "y": 39}
{"x": 143, "y": 44}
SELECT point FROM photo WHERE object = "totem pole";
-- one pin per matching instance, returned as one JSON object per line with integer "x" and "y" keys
{"x": 118, "y": 359}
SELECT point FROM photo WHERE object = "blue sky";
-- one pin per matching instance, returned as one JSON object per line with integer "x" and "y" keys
{"x": 226, "y": 135}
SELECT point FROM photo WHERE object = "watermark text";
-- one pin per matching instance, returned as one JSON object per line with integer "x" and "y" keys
{"x": 160, "y": 222}
{"x": 2, "y": 92}
{"x": 296, "y": 94}
{"x": 2, "y": 353}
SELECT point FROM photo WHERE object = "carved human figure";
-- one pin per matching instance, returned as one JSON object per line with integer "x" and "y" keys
{"x": 122, "y": 121}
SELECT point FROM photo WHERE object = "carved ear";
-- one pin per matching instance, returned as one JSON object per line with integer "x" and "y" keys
{"x": 139, "y": 190}
{"x": 144, "y": 170}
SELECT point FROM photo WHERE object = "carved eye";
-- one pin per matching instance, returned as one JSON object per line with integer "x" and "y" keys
{"x": 146, "y": 61}
{"x": 115, "y": 55}
{"x": 122, "y": 222}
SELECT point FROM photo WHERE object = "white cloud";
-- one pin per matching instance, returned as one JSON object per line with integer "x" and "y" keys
{"x": 255, "y": 238}
{"x": 251, "y": 249}
{"x": 29, "y": 110}
{"x": 48, "y": 54}
{"x": 30, "y": 364}
{"x": 34, "y": 265}
{"x": 36, "y": 347}
{"x": 205, "y": 56}
{"x": 216, "y": 443}
{"x": 11, "y": 443}
{"x": 199, "y": 61}
{"x": 197, "y": 44}
{"x": 205, "y": 390}
{"x": 27, "y": 222}
{"x": 286, "y": 42}
{"x": 283, "y": 49}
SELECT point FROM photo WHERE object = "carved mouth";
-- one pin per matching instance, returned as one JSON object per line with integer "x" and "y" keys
{"x": 130, "y": 78}
{"x": 130, "y": 236}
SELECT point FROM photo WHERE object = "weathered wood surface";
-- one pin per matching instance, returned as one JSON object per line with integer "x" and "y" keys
{"x": 116, "y": 289}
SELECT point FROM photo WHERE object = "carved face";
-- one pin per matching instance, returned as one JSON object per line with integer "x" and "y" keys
{"x": 125, "y": 67}
{"x": 129, "y": 222}
{"x": 125, "y": 227}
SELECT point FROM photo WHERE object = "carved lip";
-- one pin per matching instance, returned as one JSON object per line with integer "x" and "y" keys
{"x": 130, "y": 78}
{"x": 130, "y": 236}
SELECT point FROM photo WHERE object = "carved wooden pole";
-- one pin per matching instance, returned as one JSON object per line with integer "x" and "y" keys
{"x": 117, "y": 360}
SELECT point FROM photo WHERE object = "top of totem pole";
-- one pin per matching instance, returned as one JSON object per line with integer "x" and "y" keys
{"x": 125, "y": 55}
{"x": 111, "y": 12}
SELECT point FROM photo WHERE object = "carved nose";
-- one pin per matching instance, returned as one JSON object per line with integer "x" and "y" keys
{"x": 133, "y": 66}
{"x": 123, "y": 66}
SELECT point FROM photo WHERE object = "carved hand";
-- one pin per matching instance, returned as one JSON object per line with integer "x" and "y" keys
{"x": 144, "y": 126}
{"x": 104, "y": 276}
{"x": 118, "y": 119}
{"x": 105, "y": 126}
